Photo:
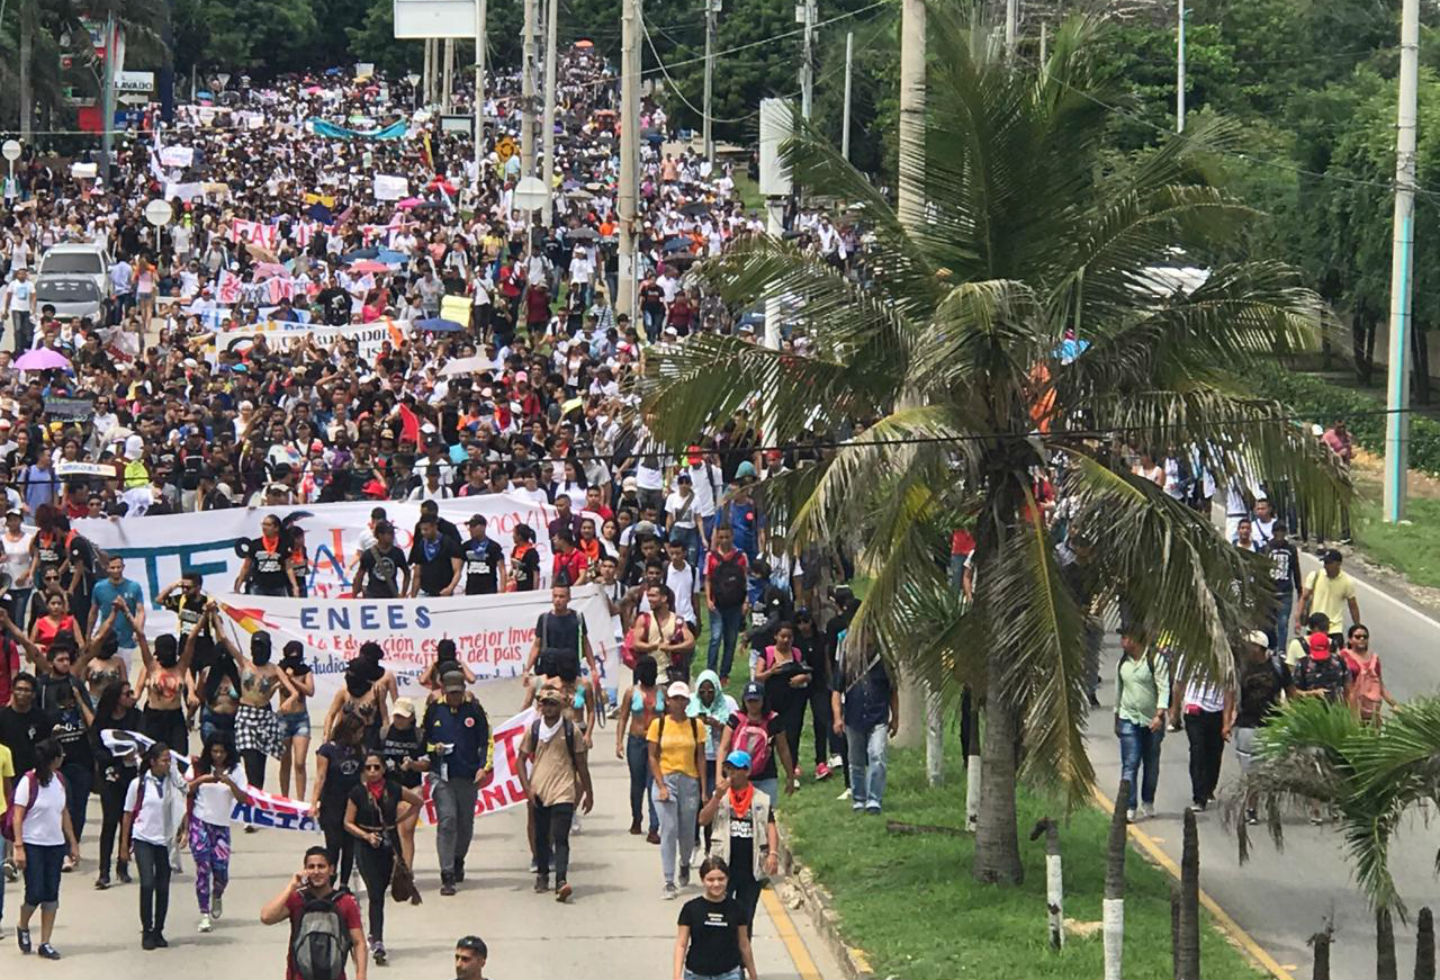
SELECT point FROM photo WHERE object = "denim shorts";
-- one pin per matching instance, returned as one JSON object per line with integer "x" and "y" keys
{"x": 294, "y": 724}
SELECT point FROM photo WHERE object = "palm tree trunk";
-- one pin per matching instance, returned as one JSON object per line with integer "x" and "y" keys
{"x": 997, "y": 841}
{"x": 26, "y": 95}
{"x": 934, "y": 737}
{"x": 1054, "y": 880}
{"x": 1113, "y": 929}
{"x": 1385, "y": 966}
{"x": 1174, "y": 932}
{"x": 1321, "y": 943}
{"x": 1425, "y": 946}
{"x": 1190, "y": 901}
{"x": 970, "y": 737}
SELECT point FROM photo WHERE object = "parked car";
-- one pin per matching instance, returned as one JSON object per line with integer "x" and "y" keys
{"x": 72, "y": 296}
{"x": 71, "y": 259}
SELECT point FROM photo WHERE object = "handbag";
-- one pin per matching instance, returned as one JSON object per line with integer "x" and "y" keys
{"x": 402, "y": 882}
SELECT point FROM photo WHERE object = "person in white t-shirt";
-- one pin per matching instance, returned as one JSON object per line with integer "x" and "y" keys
{"x": 684, "y": 582}
{"x": 44, "y": 837}
{"x": 217, "y": 783}
{"x": 145, "y": 830}
{"x": 682, "y": 518}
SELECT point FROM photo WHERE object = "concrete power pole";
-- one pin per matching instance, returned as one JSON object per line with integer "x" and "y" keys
{"x": 1397, "y": 423}
{"x": 806, "y": 15}
{"x": 845, "y": 117}
{"x": 1180, "y": 70}
{"x": 627, "y": 199}
{"x": 910, "y": 198}
{"x": 1012, "y": 20}
{"x": 449, "y": 83}
{"x": 547, "y": 118}
{"x": 711, "y": 8}
{"x": 481, "y": 15}
{"x": 107, "y": 99}
{"x": 429, "y": 68}
{"x": 527, "y": 92}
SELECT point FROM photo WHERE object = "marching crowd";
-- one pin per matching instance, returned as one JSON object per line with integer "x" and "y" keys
{"x": 278, "y": 219}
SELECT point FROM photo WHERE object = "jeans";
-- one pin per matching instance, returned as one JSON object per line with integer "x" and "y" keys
{"x": 19, "y": 604}
{"x": 153, "y": 862}
{"x": 376, "y": 866}
{"x": 552, "y": 837}
{"x": 677, "y": 820}
{"x": 42, "y": 875}
{"x": 24, "y": 330}
{"x": 690, "y": 538}
{"x": 1140, "y": 746}
{"x": 455, "y": 817}
{"x": 339, "y": 845}
{"x": 734, "y": 974}
{"x": 1205, "y": 730}
{"x": 637, "y": 757}
{"x": 724, "y": 624}
{"x": 79, "y": 780}
{"x": 1280, "y": 629}
{"x": 867, "y": 765}
{"x": 112, "y": 809}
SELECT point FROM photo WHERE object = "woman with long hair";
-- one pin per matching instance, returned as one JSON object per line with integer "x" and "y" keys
{"x": 54, "y": 623}
{"x": 525, "y": 560}
{"x": 337, "y": 772}
{"x": 44, "y": 838}
{"x": 677, "y": 772}
{"x": 115, "y": 711}
{"x": 147, "y": 831}
{"x": 374, "y": 809}
{"x": 639, "y": 706}
{"x": 294, "y": 715}
{"x": 217, "y": 782}
{"x": 406, "y": 761}
{"x": 712, "y": 941}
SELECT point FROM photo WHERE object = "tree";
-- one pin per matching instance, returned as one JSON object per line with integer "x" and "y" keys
{"x": 1026, "y": 236}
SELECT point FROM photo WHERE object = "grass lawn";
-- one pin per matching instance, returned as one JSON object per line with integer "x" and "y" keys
{"x": 909, "y": 901}
{"x": 748, "y": 190}
{"x": 1413, "y": 548}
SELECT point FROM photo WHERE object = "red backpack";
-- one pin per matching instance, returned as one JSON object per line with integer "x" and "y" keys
{"x": 754, "y": 738}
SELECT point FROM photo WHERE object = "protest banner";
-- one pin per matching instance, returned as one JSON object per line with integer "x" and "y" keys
{"x": 70, "y": 409}
{"x": 391, "y": 188}
{"x": 158, "y": 549}
{"x": 492, "y": 633}
{"x": 177, "y": 156}
{"x": 285, "y": 334}
{"x": 456, "y": 309}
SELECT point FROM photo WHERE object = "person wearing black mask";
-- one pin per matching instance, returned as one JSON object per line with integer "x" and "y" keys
{"x": 162, "y": 680}
{"x": 116, "y": 712}
{"x": 294, "y": 717}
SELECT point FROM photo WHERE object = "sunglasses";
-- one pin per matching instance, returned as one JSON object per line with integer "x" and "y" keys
{"x": 372, "y": 765}
{"x": 52, "y": 578}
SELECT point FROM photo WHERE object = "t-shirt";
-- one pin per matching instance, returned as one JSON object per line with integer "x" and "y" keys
{"x": 435, "y": 562}
{"x": 1329, "y": 675}
{"x": 527, "y": 571}
{"x": 149, "y": 811}
{"x": 773, "y": 725}
{"x": 105, "y": 594}
{"x": 44, "y": 809}
{"x": 677, "y": 748}
{"x": 714, "y": 935}
{"x": 1331, "y": 596}
{"x": 553, "y": 778}
{"x": 214, "y": 802}
{"x": 560, "y": 634}
{"x": 1260, "y": 687}
{"x": 382, "y": 571}
{"x": 395, "y": 747}
{"x": 267, "y": 567}
{"x": 7, "y": 771}
{"x": 345, "y": 904}
{"x": 20, "y": 733}
{"x": 342, "y": 775}
{"x": 482, "y": 566}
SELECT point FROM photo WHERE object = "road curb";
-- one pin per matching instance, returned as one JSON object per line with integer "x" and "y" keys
{"x": 817, "y": 904}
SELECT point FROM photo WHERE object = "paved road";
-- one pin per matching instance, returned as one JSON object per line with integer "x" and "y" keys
{"x": 617, "y": 925}
{"x": 1282, "y": 898}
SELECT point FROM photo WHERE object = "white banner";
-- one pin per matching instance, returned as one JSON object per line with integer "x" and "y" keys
{"x": 390, "y": 188}
{"x": 158, "y": 549}
{"x": 177, "y": 156}
{"x": 284, "y": 334}
{"x": 492, "y": 633}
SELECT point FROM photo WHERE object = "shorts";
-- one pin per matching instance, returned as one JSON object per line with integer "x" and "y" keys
{"x": 1244, "y": 747}
{"x": 558, "y": 663}
{"x": 296, "y": 724}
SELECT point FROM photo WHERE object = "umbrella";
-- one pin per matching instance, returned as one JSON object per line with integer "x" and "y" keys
{"x": 695, "y": 208}
{"x": 580, "y": 195}
{"x": 369, "y": 265}
{"x": 42, "y": 359}
{"x": 428, "y": 206}
{"x": 361, "y": 253}
{"x": 261, "y": 253}
{"x": 677, "y": 244}
{"x": 466, "y": 365}
{"x": 437, "y": 324}
{"x": 204, "y": 95}
{"x": 443, "y": 183}
{"x": 389, "y": 256}
{"x": 653, "y": 136}
{"x": 407, "y": 204}
{"x": 266, "y": 270}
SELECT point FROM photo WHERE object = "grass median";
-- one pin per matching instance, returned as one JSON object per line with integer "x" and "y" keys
{"x": 909, "y": 902}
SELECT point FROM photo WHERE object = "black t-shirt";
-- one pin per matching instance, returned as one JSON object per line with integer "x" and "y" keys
{"x": 336, "y": 303}
{"x": 434, "y": 561}
{"x": 742, "y": 847}
{"x": 73, "y": 735}
{"x": 774, "y": 725}
{"x": 82, "y": 565}
{"x": 714, "y": 935}
{"x": 19, "y": 733}
{"x": 267, "y": 568}
{"x": 482, "y": 567}
{"x": 527, "y": 574}
{"x": 397, "y": 746}
{"x": 382, "y": 571}
{"x": 560, "y": 634}
{"x": 342, "y": 775}
{"x": 1260, "y": 687}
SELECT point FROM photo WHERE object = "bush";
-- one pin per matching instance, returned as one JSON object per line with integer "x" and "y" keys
{"x": 1324, "y": 402}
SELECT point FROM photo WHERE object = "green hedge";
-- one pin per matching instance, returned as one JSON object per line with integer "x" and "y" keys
{"x": 1320, "y": 400}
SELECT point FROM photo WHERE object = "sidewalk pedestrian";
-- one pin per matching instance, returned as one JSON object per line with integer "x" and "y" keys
{"x": 1142, "y": 699}
{"x": 1264, "y": 677}
{"x": 217, "y": 782}
{"x": 556, "y": 777}
{"x": 325, "y": 925}
{"x": 866, "y": 709}
{"x": 639, "y": 706}
{"x": 1367, "y": 685}
{"x": 1209, "y": 712}
{"x": 1331, "y": 592}
{"x": 745, "y": 837}
{"x": 146, "y": 832}
{"x": 677, "y": 771}
{"x": 337, "y": 771}
{"x": 44, "y": 837}
{"x": 760, "y": 734}
{"x": 458, "y": 738}
{"x": 712, "y": 941}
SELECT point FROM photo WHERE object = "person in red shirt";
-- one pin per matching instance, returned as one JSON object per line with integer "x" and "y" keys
{"x": 316, "y": 881}
{"x": 569, "y": 560}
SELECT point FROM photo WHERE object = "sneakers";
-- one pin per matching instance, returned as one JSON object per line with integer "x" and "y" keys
{"x": 447, "y": 884}
{"x": 217, "y": 908}
{"x": 858, "y": 806}
{"x": 160, "y": 940}
{"x": 1147, "y": 810}
{"x": 377, "y": 952}
{"x": 1251, "y": 817}
{"x": 22, "y": 939}
{"x": 684, "y": 875}
{"x": 102, "y": 882}
{"x": 836, "y": 762}
{"x": 845, "y": 795}
{"x": 205, "y": 924}
{"x": 563, "y": 892}
{"x": 671, "y": 892}
{"x": 1130, "y": 815}
{"x": 147, "y": 941}
{"x": 872, "y": 808}
{"x": 48, "y": 952}
{"x": 542, "y": 884}
{"x": 68, "y": 865}
{"x": 1198, "y": 807}
{"x": 635, "y": 830}
{"x": 534, "y": 866}
{"x": 822, "y": 771}
{"x": 250, "y": 828}
{"x": 11, "y": 872}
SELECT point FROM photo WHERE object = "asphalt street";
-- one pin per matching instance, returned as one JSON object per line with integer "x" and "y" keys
{"x": 1281, "y": 898}
{"x": 616, "y": 925}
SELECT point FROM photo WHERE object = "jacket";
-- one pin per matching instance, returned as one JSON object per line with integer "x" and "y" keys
{"x": 759, "y": 818}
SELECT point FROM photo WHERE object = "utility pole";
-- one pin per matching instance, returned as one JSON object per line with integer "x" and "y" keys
{"x": 527, "y": 92}
{"x": 911, "y": 185}
{"x": 107, "y": 100}
{"x": 806, "y": 15}
{"x": 627, "y": 199}
{"x": 449, "y": 60}
{"x": 1180, "y": 70}
{"x": 548, "y": 116}
{"x": 1397, "y": 422}
{"x": 429, "y": 69}
{"x": 845, "y": 117}
{"x": 711, "y": 8}
{"x": 1012, "y": 18}
{"x": 1044, "y": 43}
{"x": 480, "y": 24}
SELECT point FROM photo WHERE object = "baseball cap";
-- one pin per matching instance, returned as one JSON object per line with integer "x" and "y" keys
{"x": 740, "y": 759}
{"x": 1258, "y": 638}
{"x": 453, "y": 680}
{"x": 694, "y": 454}
{"x": 745, "y": 469}
{"x": 403, "y": 706}
{"x": 754, "y": 691}
{"x": 1319, "y": 645}
{"x": 549, "y": 695}
{"x": 679, "y": 689}
{"x": 629, "y": 483}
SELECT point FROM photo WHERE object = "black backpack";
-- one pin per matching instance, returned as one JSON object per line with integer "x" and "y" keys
{"x": 319, "y": 941}
{"x": 727, "y": 584}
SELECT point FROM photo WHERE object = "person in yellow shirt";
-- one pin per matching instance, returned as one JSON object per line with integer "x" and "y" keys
{"x": 1330, "y": 593}
{"x": 677, "y": 770}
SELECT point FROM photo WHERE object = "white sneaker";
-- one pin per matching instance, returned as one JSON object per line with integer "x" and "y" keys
{"x": 836, "y": 762}
{"x": 1147, "y": 810}
{"x": 1130, "y": 815}
{"x": 845, "y": 795}
{"x": 205, "y": 925}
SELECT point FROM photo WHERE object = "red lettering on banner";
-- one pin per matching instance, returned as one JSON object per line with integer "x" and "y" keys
{"x": 508, "y": 739}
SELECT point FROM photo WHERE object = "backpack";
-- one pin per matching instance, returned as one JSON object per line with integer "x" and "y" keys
{"x": 660, "y": 732}
{"x": 7, "y": 819}
{"x": 727, "y": 583}
{"x": 384, "y": 568}
{"x": 627, "y": 645}
{"x": 319, "y": 941}
{"x": 754, "y": 739}
{"x": 569, "y": 731}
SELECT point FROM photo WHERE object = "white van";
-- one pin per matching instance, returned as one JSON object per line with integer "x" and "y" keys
{"x": 73, "y": 260}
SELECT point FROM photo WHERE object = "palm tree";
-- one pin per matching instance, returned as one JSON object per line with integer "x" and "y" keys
{"x": 1029, "y": 232}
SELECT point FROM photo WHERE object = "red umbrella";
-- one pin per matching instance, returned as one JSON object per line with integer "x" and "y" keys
{"x": 441, "y": 182}
{"x": 369, "y": 265}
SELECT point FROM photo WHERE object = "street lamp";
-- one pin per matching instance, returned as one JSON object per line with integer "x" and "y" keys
{"x": 414, "y": 79}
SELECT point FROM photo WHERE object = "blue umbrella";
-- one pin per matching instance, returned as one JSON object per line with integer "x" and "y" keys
{"x": 358, "y": 254}
{"x": 204, "y": 95}
{"x": 678, "y": 244}
{"x": 437, "y": 324}
{"x": 1070, "y": 350}
{"x": 390, "y": 256}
